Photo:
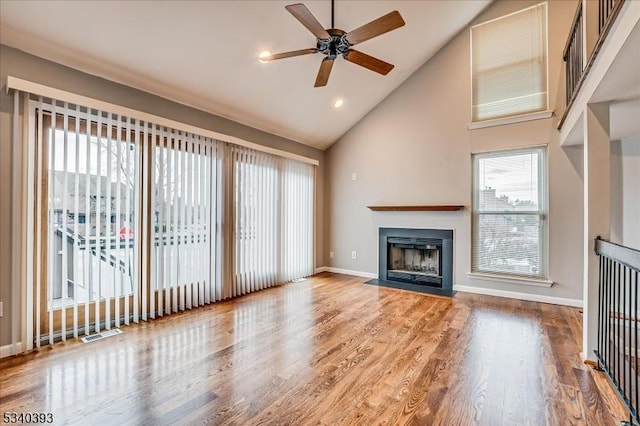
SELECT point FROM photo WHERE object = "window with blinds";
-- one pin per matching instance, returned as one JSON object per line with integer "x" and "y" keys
{"x": 89, "y": 164}
{"x": 183, "y": 215}
{"x": 509, "y": 64}
{"x": 140, "y": 220}
{"x": 273, "y": 220}
{"x": 509, "y": 213}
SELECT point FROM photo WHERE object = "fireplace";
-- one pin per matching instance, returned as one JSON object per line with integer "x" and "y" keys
{"x": 416, "y": 259}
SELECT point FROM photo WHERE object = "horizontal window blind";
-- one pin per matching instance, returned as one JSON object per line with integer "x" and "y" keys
{"x": 509, "y": 213}
{"x": 509, "y": 64}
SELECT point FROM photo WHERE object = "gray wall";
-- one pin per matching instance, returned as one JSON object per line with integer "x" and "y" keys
{"x": 19, "y": 64}
{"x": 625, "y": 192}
{"x": 414, "y": 148}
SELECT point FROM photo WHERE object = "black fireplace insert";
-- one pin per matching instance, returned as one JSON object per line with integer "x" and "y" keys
{"x": 416, "y": 259}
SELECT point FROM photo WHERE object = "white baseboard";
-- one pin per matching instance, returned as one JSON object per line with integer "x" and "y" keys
{"x": 6, "y": 350}
{"x": 346, "y": 272}
{"x": 477, "y": 290}
{"x": 521, "y": 296}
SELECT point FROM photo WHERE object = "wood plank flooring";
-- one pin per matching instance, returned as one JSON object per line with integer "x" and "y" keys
{"x": 329, "y": 350}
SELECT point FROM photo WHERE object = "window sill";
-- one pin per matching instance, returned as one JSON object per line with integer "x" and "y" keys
{"x": 540, "y": 115}
{"x": 511, "y": 280}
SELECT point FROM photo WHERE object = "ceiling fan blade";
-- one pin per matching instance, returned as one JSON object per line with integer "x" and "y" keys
{"x": 382, "y": 25}
{"x": 291, "y": 54}
{"x": 369, "y": 62}
{"x": 302, "y": 14}
{"x": 323, "y": 74}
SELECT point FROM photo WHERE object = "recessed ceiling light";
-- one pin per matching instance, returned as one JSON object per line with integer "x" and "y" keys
{"x": 338, "y": 103}
{"x": 264, "y": 55}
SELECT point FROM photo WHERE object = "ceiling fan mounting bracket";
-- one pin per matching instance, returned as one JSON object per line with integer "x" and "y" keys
{"x": 334, "y": 46}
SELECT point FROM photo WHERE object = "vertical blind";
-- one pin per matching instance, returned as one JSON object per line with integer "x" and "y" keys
{"x": 273, "y": 222}
{"x": 184, "y": 218}
{"x": 297, "y": 220}
{"x": 509, "y": 213}
{"x": 509, "y": 64}
{"x": 142, "y": 220}
{"x": 87, "y": 276}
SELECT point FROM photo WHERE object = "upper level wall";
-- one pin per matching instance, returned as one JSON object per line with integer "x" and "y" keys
{"x": 625, "y": 192}
{"x": 414, "y": 148}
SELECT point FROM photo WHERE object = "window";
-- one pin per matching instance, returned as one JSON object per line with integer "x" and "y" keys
{"x": 509, "y": 213}
{"x": 509, "y": 64}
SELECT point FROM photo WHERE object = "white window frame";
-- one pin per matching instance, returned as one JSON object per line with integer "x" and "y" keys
{"x": 542, "y": 212}
{"x": 520, "y": 116}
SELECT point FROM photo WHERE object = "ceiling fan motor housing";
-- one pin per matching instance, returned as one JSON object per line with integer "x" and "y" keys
{"x": 334, "y": 46}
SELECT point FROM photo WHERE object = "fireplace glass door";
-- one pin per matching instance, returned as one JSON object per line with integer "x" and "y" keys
{"x": 415, "y": 260}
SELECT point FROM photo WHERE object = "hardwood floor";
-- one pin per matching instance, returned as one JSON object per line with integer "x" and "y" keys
{"x": 329, "y": 350}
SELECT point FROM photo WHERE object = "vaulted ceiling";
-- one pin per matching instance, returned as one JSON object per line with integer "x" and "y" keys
{"x": 204, "y": 53}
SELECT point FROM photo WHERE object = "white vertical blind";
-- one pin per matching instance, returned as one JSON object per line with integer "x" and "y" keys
{"x": 41, "y": 263}
{"x": 297, "y": 220}
{"x": 255, "y": 234}
{"x": 273, "y": 223}
{"x": 182, "y": 219}
{"x": 88, "y": 165}
{"x": 509, "y": 64}
{"x": 143, "y": 220}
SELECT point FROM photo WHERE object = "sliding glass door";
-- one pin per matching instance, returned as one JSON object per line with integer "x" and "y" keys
{"x": 256, "y": 232}
{"x": 273, "y": 221}
{"x": 136, "y": 220}
{"x": 184, "y": 200}
{"x": 89, "y": 169}
{"x": 297, "y": 220}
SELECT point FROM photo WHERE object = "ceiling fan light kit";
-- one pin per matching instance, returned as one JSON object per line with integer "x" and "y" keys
{"x": 333, "y": 42}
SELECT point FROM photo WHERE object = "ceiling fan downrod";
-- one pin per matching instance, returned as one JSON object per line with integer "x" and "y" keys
{"x": 332, "y": 15}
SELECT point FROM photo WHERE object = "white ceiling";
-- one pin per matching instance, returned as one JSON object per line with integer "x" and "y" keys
{"x": 203, "y": 53}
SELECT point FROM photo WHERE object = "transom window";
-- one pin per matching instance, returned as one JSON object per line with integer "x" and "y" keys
{"x": 509, "y": 64}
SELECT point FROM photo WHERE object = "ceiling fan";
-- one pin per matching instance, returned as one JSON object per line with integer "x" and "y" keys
{"x": 333, "y": 42}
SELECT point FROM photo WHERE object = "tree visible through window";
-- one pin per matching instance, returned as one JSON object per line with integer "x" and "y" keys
{"x": 509, "y": 213}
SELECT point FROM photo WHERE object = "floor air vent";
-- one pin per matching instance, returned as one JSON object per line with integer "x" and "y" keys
{"x": 102, "y": 335}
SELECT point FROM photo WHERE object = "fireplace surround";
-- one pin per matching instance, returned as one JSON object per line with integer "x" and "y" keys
{"x": 416, "y": 259}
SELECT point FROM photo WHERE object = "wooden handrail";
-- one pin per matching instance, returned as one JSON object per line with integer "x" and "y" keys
{"x": 621, "y": 254}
